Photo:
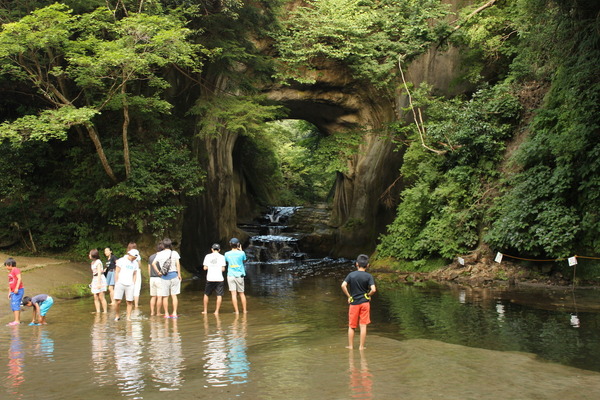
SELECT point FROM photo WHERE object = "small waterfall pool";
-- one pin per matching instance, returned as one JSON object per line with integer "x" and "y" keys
{"x": 273, "y": 242}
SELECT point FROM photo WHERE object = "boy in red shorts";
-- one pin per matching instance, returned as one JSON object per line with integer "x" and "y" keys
{"x": 359, "y": 286}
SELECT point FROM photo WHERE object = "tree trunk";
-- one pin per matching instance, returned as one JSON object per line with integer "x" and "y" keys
{"x": 126, "y": 159}
{"x": 100, "y": 150}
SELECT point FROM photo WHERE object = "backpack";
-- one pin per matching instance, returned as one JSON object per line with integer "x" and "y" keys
{"x": 166, "y": 266}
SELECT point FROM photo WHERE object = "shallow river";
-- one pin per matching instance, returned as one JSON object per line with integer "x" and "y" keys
{"x": 424, "y": 343}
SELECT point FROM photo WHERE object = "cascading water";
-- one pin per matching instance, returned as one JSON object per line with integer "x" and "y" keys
{"x": 273, "y": 243}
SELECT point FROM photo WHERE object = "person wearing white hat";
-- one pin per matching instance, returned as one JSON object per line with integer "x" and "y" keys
{"x": 126, "y": 273}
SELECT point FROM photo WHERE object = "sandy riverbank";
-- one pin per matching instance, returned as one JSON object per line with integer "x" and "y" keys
{"x": 42, "y": 275}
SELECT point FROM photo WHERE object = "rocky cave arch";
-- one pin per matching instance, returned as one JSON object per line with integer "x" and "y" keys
{"x": 335, "y": 102}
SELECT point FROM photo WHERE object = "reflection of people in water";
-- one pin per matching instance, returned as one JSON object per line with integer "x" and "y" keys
{"x": 16, "y": 363}
{"x": 101, "y": 350}
{"x": 237, "y": 359}
{"x": 215, "y": 365}
{"x": 166, "y": 355}
{"x": 128, "y": 358}
{"x": 44, "y": 344}
{"x": 361, "y": 380}
{"x": 225, "y": 358}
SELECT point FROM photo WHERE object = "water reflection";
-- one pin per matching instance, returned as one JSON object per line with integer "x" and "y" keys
{"x": 33, "y": 347}
{"x": 166, "y": 354}
{"x": 16, "y": 363}
{"x": 500, "y": 311}
{"x": 45, "y": 345}
{"x": 102, "y": 350}
{"x": 426, "y": 342}
{"x": 128, "y": 349}
{"x": 539, "y": 322}
{"x": 361, "y": 379}
{"x": 575, "y": 323}
{"x": 237, "y": 359}
{"x": 225, "y": 355}
{"x": 215, "y": 357}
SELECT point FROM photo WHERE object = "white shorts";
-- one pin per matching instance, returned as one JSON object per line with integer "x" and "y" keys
{"x": 137, "y": 287}
{"x": 235, "y": 284}
{"x": 121, "y": 290}
{"x": 170, "y": 286}
{"x": 155, "y": 285}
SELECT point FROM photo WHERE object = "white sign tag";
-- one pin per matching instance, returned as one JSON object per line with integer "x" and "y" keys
{"x": 461, "y": 261}
{"x": 572, "y": 261}
{"x": 498, "y": 258}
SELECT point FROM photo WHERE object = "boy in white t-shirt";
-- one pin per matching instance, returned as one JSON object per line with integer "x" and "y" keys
{"x": 214, "y": 264}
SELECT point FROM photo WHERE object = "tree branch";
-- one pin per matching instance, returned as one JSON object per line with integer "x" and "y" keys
{"x": 468, "y": 17}
{"x": 125, "y": 129}
{"x": 418, "y": 121}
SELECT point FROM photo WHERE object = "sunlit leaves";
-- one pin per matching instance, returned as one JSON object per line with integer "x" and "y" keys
{"x": 88, "y": 60}
{"x": 48, "y": 125}
{"x": 366, "y": 36}
{"x": 243, "y": 115}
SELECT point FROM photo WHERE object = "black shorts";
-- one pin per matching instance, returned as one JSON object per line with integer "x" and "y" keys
{"x": 217, "y": 287}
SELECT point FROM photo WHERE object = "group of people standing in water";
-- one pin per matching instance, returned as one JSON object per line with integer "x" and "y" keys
{"x": 122, "y": 278}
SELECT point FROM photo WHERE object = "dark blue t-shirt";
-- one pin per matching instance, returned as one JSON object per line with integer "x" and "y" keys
{"x": 359, "y": 283}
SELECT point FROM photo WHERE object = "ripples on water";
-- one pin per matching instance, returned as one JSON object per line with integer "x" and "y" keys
{"x": 291, "y": 345}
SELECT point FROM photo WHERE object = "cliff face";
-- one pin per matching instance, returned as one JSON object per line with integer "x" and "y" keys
{"x": 335, "y": 102}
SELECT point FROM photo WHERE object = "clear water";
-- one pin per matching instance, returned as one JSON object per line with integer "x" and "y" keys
{"x": 425, "y": 343}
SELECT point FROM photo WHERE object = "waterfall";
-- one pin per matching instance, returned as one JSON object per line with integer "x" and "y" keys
{"x": 274, "y": 243}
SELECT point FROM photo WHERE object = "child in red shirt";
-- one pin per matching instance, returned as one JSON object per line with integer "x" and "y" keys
{"x": 16, "y": 291}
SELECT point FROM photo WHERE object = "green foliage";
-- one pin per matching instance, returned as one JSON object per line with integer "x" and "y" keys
{"x": 90, "y": 66}
{"x": 547, "y": 204}
{"x": 442, "y": 206}
{"x": 531, "y": 219}
{"x": 92, "y": 240}
{"x": 243, "y": 115}
{"x": 84, "y": 64}
{"x": 365, "y": 35}
{"x": 74, "y": 291}
{"x": 260, "y": 167}
{"x": 153, "y": 197}
{"x": 306, "y": 159}
{"x": 489, "y": 41}
{"x": 48, "y": 125}
{"x": 550, "y": 207}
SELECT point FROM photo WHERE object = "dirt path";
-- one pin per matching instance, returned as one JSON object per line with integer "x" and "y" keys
{"x": 42, "y": 275}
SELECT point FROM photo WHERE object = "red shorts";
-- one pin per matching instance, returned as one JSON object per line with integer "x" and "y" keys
{"x": 359, "y": 314}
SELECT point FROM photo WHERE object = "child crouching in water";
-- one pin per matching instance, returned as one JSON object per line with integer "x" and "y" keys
{"x": 41, "y": 304}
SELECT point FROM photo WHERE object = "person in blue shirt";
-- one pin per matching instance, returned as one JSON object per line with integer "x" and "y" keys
{"x": 235, "y": 273}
